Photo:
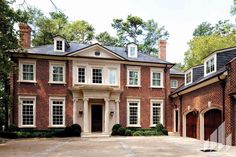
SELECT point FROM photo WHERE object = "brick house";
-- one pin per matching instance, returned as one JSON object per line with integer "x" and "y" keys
{"x": 206, "y": 102}
{"x": 92, "y": 85}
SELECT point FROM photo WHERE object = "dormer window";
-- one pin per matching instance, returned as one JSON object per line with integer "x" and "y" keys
{"x": 59, "y": 45}
{"x": 210, "y": 65}
{"x": 188, "y": 77}
{"x": 132, "y": 51}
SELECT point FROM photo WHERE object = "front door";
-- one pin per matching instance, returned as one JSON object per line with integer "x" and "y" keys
{"x": 96, "y": 118}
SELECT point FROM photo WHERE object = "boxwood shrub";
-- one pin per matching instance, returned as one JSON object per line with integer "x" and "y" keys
{"x": 115, "y": 129}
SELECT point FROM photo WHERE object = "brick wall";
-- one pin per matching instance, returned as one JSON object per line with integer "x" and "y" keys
{"x": 179, "y": 79}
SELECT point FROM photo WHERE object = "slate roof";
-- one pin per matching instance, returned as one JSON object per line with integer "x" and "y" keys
{"x": 200, "y": 80}
{"x": 74, "y": 47}
{"x": 176, "y": 72}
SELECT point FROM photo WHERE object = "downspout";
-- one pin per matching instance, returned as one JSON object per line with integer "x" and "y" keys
{"x": 223, "y": 83}
{"x": 180, "y": 119}
{"x": 165, "y": 70}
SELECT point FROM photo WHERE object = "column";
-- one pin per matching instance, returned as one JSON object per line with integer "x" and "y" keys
{"x": 117, "y": 111}
{"x": 86, "y": 118}
{"x": 75, "y": 100}
{"x": 106, "y": 130}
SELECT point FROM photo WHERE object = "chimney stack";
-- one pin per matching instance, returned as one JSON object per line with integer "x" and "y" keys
{"x": 162, "y": 49}
{"x": 25, "y": 35}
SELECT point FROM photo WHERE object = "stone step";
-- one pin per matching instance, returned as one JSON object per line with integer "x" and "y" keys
{"x": 94, "y": 135}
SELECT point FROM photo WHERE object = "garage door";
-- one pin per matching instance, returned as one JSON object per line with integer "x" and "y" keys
{"x": 191, "y": 124}
{"x": 212, "y": 120}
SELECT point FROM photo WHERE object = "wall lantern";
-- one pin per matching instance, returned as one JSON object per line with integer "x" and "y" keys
{"x": 80, "y": 112}
{"x": 112, "y": 113}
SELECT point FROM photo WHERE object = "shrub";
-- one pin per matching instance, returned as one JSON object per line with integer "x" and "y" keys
{"x": 121, "y": 131}
{"x": 13, "y": 128}
{"x": 10, "y": 135}
{"x": 76, "y": 129}
{"x": 128, "y": 132}
{"x": 115, "y": 129}
{"x": 159, "y": 127}
{"x": 164, "y": 131}
{"x": 150, "y": 133}
{"x": 138, "y": 133}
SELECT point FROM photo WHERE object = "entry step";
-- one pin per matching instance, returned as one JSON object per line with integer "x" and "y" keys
{"x": 94, "y": 135}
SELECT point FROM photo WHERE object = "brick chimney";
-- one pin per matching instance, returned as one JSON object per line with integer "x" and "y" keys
{"x": 25, "y": 35}
{"x": 162, "y": 49}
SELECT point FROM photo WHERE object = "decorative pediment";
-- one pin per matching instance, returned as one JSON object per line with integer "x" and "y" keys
{"x": 97, "y": 51}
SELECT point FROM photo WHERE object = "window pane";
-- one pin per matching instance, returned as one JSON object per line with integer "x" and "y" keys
{"x": 27, "y": 112}
{"x": 133, "y": 77}
{"x": 81, "y": 75}
{"x": 133, "y": 113}
{"x": 58, "y": 73}
{"x": 57, "y": 113}
{"x": 28, "y": 72}
{"x": 59, "y": 45}
{"x": 112, "y": 76}
{"x": 156, "y": 113}
{"x": 156, "y": 79}
{"x": 97, "y": 75}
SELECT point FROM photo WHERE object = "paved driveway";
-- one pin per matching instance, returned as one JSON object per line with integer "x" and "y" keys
{"x": 167, "y": 146}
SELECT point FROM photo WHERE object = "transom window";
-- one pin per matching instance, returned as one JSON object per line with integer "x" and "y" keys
{"x": 27, "y": 72}
{"x": 59, "y": 45}
{"x": 133, "y": 113}
{"x": 112, "y": 76}
{"x": 173, "y": 83}
{"x": 188, "y": 77}
{"x": 57, "y": 112}
{"x": 27, "y": 112}
{"x": 97, "y": 75}
{"x": 210, "y": 65}
{"x": 57, "y": 72}
{"x": 81, "y": 75}
{"x": 156, "y": 113}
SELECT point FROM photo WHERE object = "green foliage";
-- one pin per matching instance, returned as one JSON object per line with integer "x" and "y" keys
{"x": 106, "y": 39}
{"x": 159, "y": 127}
{"x": 204, "y": 29}
{"x": 115, "y": 129}
{"x": 164, "y": 131}
{"x": 73, "y": 130}
{"x": 121, "y": 131}
{"x": 144, "y": 33}
{"x": 128, "y": 132}
{"x": 138, "y": 133}
{"x": 10, "y": 135}
{"x": 13, "y": 128}
{"x": 233, "y": 8}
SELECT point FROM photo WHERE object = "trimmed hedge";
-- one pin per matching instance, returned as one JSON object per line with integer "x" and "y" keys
{"x": 115, "y": 129}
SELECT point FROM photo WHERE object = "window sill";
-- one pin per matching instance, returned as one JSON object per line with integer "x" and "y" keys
{"x": 27, "y": 126}
{"x": 152, "y": 125}
{"x": 156, "y": 87}
{"x": 24, "y": 81}
{"x": 134, "y": 125}
{"x": 133, "y": 86}
{"x": 57, "y": 126}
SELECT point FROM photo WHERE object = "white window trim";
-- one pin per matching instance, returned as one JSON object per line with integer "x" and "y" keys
{"x": 153, "y": 70}
{"x": 177, "y": 83}
{"x": 50, "y": 111}
{"x": 103, "y": 74}
{"x": 77, "y": 75}
{"x": 151, "y": 111}
{"x": 137, "y": 69}
{"x": 129, "y": 51}
{"x": 215, "y": 64}
{"x": 57, "y": 63}
{"x": 55, "y": 44}
{"x": 27, "y": 62}
{"x": 20, "y": 118}
{"x": 185, "y": 78}
{"x": 108, "y": 73}
{"x": 128, "y": 121}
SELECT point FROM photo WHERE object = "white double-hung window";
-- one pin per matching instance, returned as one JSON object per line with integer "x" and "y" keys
{"x": 133, "y": 113}
{"x": 133, "y": 76}
{"x": 27, "y": 114}
{"x": 156, "y": 78}
{"x": 27, "y": 71}
{"x": 81, "y": 75}
{"x": 57, "y": 72}
{"x": 210, "y": 65}
{"x": 57, "y": 111}
{"x": 188, "y": 77}
{"x": 112, "y": 76}
{"x": 173, "y": 83}
{"x": 97, "y": 77}
{"x": 156, "y": 111}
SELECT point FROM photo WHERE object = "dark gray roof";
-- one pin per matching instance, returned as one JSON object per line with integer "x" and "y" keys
{"x": 200, "y": 80}
{"x": 120, "y": 51}
{"x": 176, "y": 72}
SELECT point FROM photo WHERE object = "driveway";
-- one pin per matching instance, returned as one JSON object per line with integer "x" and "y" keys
{"x": 163, "y": 146}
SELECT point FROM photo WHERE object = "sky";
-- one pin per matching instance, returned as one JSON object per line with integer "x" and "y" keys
{"x": 179, "y": 17}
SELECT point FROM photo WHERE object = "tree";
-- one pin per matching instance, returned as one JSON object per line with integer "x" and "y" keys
{"x": 144, "y": 33}
{"x": 233, "y": 8}
{"x": 204, "y": 29}
{"x": 8, "y": 41}
{"x": 106, "y": 39}
{"x": 80, "y": 31}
